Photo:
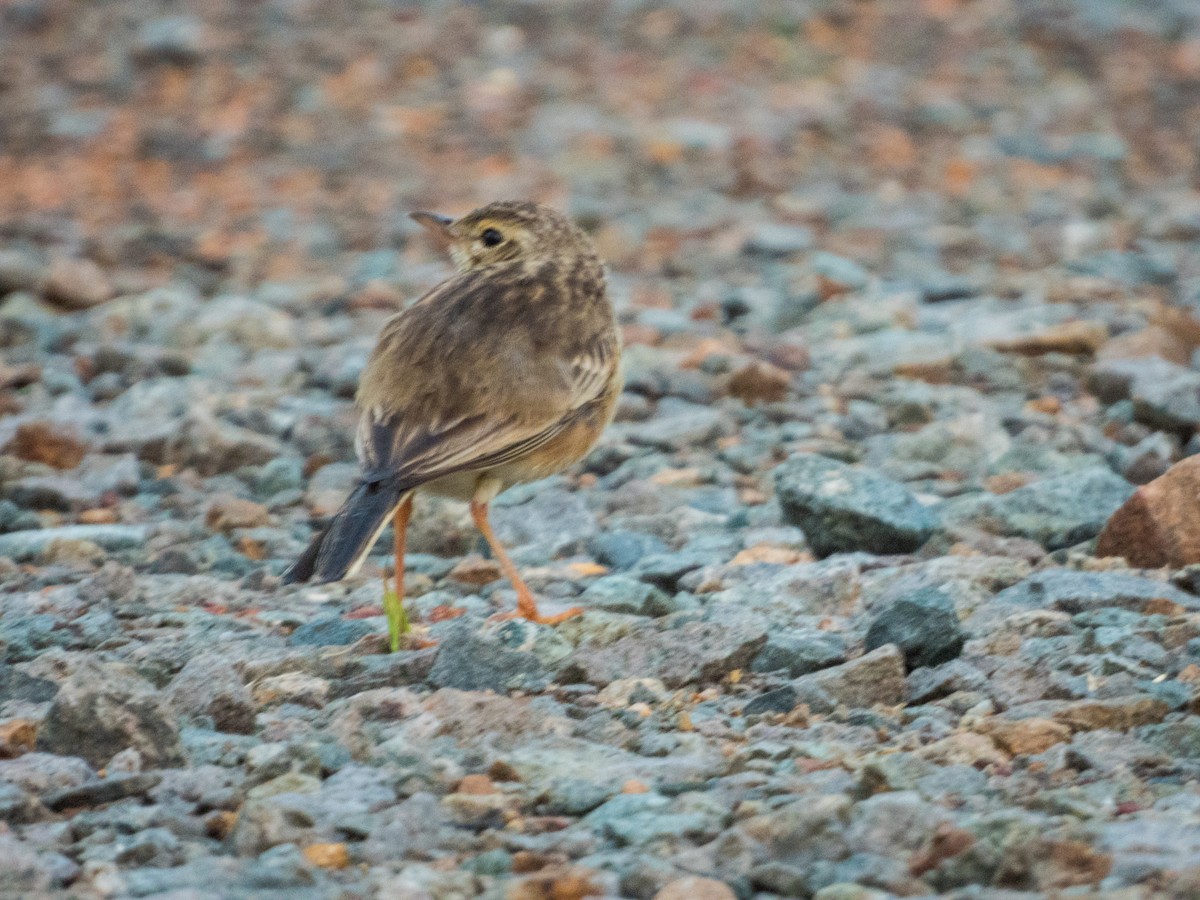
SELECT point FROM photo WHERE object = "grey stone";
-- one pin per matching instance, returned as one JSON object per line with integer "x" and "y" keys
{"x": 804, "y": 832}
{"x": 18, "y": 685}
{"x": 943, "y": 286}
{"x": 665, "y": 569}
{"x": 556, "y": 521}
{"x": 328, "y": 631}
{"x": 20, "y": 270}
{"x": 40, "y": 773}
{"x": 213, "y": 446}
{"x": 1172, "y": 403}
{"x": 24, "y": 873}
{"x": 171, "y": 39}
{"x": 640, "y": 819}
{"x": 23, "y": 546}
{"x": 15, "y": 805}
{"x": 780, "y": 700}
{"x": 13, "y": 518}
{"x": 106, "y": 790}
{"x": 104, "y": 708}
{"x": 471, "y": 660}
{"x": 876, "y": 677}
{"x": 209, "y": 687}
{"x": 1077, "y": 592}
{"x": 842, "y": 509}
{"x": 677, "y": 424}
{"x": 280, "y": 867}
{"x": 840, "y": 270}
{"x": 157, "y": 847}
{"x": 778, "y": 241}
{"x": 676, "y": 654}
{"x": 1056, "y": 512}
{"x": 923, "y": 625}
{"x": 933, "y": 683}
{"x": 800, "y": 652}
{"x": 622, "y": 549}
{"x": 623, "y": 594}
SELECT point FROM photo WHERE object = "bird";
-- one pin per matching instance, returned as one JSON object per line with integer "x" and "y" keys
{"x": 503, "y": 374}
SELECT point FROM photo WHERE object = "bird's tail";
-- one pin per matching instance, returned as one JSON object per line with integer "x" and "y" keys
{"x": 342, "y": 546}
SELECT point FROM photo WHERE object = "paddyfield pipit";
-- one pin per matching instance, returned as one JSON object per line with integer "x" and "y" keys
{"x": 503, "y": 374}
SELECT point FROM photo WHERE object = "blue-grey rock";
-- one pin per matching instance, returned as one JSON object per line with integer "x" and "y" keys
{"x": 622, "y": 549}
{"x": 556, "y": 522}
{"x": 1077, "y": 592}
{"x": 104, "y": 708}
{"x": 876, "y": 677}
{"x": 780, "y": 700}
{"x": 840, "y": 270}
{"x": 1179, "y": 738}
{"x": 208, "y": 687}
{"x": 677, "y": 424}
{"x": 171, "y": 39}
{"x": 842, "y": 509}
{"x": 677, "y": 654}
{"x": 777, "y": 241}
{"x": 470, "y": 660}
{"x": 1056, "y": 512}
{"x": 329, "y": 631}
{"x": 625, "y": 594}
{"x": 934, "y": 682}
{"x": 102, "y": 791}
{"x": 943, "y": 286}
{"x": 18, "y": 685}
{"x": 800, "y": 652}
{"x": 639, "y": 819}
{"x": 923, "y": 625}
{"x": 22, "y": 546}
{"x": 16, "y": 805}
{"x": 280, "y": 867}
{"x": 13, "y": 518}
{"x": 665, "y": 569}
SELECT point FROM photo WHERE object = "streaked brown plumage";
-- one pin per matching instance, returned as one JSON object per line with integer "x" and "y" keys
{"x": 503, "y": 374}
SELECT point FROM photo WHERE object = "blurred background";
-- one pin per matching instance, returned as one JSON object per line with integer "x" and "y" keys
{"x": 909, "y": 290}
{"x": 946, "y": 145}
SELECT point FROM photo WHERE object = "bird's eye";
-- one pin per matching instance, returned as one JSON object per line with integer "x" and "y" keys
{"x": 491, "y": 237}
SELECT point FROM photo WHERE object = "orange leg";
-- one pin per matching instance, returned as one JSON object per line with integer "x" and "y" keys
{"x": 400, "y": 531}
{"x": 526, "y": 605}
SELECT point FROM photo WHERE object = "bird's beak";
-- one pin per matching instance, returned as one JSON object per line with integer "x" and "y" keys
{"x": 439, "y": 225}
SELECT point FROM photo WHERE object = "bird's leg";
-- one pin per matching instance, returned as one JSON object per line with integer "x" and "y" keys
{"x": 527, "y": 607}
{"x": 393, "y": 601}
{"x": 399, "y": 538}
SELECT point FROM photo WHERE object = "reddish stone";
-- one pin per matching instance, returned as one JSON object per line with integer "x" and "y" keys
{"x": 759, "y": 382}
{"x": 46, "y": 443}
{"x": 77, "y": 284}
{"x": 1158, "y": 525}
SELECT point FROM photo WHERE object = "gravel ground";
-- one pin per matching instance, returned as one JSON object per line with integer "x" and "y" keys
{"x": 911, "y": 299}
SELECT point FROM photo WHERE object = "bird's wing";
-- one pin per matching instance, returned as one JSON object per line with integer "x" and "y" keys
{"x": 483, "y": 369}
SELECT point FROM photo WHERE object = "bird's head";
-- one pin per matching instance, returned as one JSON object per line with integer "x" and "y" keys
{"x": 506, "y": 230}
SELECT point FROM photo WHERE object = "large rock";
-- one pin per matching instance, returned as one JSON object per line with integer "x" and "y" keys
{"x": 1158, "y": 525}
{"x": 877, "y": 677}
{"x": 692, "y": 653}
{"x": 923, "y": 625}
{"x": 471, "y": 658}
{"x": 209, "y": 687}
{"x": 76, "y": 284}
{"x": 1075, "y": 592}
{"x": 1056, "y": 512}
{"x": 22, "y": 546}
{"x": 842, "y": 509}
{"x": 104, "y": 708}
{"x": 212, "y": 446}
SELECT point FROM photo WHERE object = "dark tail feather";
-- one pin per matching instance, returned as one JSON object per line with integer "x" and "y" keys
{"x": 347, "y": 539}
